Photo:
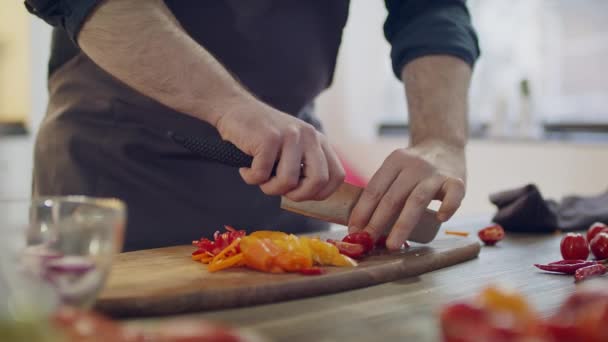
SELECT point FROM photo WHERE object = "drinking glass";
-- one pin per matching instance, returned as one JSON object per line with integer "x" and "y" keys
{"x": 54, "y": 251}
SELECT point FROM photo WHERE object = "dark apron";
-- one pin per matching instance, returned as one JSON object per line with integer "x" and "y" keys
{"x": 102, "y": 138}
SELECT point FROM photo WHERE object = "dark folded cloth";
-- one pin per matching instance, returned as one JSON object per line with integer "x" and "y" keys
{"x": 525, "y": 210}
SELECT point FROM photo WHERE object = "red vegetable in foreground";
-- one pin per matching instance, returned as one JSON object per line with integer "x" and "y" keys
{"x": 498, "y": 315}
{"x": 574, "y": 246}
{"x": 75, "y": 325}
{"x": 491, "y": 235}
{"x": 494, "y": 315}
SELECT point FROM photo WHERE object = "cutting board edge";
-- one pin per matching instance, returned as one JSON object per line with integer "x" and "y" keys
{"x": 278, "y": 292}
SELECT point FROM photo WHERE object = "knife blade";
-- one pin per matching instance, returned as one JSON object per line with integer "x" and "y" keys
{"x": 335, "y": 209}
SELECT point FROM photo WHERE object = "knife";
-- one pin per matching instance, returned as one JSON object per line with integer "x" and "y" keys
{"x": 336, "y": 208}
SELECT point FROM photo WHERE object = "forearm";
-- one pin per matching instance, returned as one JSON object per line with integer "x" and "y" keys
{"x": 436, "y": 90}
{"x": 142, "y": 44}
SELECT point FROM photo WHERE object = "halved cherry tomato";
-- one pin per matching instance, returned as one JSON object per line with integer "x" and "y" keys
{"x": 491, "y": 235}
{"x": 351, "y": 250}
{"x": 360, "y": 238}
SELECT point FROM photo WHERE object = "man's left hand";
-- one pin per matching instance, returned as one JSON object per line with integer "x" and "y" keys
{"x": 408, "y": 180}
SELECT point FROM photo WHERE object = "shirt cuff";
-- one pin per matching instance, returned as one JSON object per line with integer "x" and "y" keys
{"x": 441, "y": 30}
{"x": 67, "y": 14}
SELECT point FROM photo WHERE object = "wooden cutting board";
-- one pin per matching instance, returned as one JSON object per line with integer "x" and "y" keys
{"x": 166, "y": 281}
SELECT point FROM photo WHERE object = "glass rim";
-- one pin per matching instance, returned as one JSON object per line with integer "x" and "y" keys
{"x": 106, "y": 202}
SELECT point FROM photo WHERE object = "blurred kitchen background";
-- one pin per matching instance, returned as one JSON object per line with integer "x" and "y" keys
{"x": 538, "y": 104}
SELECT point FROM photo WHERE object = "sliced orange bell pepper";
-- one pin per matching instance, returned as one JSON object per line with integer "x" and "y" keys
{"x": 269, "y": 234}
{"x": 293, "y": 261}
{"x": 295, "y": 255}
{"x": 259, "y": 253}
{"x": 199, "y": 256}
{"x": 343, "y": 261}
{"x": 324, "y": 253}
{"x": 225, "y": 263}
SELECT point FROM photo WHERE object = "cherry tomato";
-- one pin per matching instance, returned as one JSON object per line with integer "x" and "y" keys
{"x": 595, "y": 229}
{"x": 360, "y": 238}
{"x": 599, "y": 246}
{"x": 349, "y": 249}
{"x": 574, "y": 246}
{"x": 491, "y": 235}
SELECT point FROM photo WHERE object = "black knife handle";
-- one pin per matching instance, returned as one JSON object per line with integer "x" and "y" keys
{"x": 213, "y": 149}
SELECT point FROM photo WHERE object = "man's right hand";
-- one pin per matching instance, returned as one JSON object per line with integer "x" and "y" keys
{"x": 270, "y": 135}
{"x": 141, "y": 43}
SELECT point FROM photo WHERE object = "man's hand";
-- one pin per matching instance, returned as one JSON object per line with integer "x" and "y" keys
{"x": 434, "y": 166}
{"x": 270, "y": 135}
{"x": 141, "y": 43}
{"x": 408, "y": 180}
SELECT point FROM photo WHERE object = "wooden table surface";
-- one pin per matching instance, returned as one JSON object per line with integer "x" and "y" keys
{"x": 406, "y": 309}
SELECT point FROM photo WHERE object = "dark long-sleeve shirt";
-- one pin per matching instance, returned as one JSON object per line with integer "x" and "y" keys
{"x": 414, "y": 28}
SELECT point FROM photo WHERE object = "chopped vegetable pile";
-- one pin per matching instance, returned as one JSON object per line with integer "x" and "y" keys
{"x": 278, "y": 252}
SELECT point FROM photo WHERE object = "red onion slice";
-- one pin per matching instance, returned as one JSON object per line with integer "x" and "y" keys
{"x": 70, "y": 264}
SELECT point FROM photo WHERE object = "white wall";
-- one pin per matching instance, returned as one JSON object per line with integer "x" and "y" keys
{"x": 40, "y": 42}
{"x": 365, "y": 91}
{"x": 16, "y": 152}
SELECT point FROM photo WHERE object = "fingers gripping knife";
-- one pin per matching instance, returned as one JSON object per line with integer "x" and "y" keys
{"x": 336, "y": 208}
